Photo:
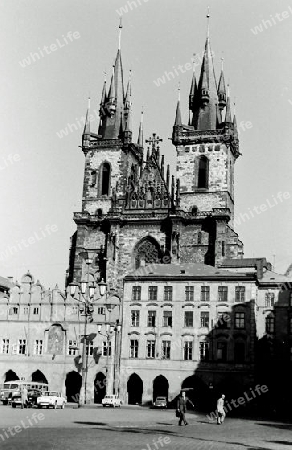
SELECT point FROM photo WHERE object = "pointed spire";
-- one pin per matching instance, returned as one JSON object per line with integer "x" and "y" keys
{"x": 228, "y": 107}
{"x": 103, "y": 94}
{"x": 86, "y": 131}
{"x": 222, "y": 90}
{"x": 129, "y": 92}
{"x": 111, "y": 92}
{"x": 178, "y": 121}
{"x": 235, "y": 123}
{"x": 87, "y": 121}
{"x": 208, "y": 22}
{"x": 193, "y": 90}
{"x": 172, "y": 187}
{"x": 205, "y": 110}
{"x": 140, "y": 135}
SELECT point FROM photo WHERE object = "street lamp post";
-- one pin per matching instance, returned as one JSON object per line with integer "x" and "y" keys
{"x": 86, "y": 295}
{"x": 111, "y": 329}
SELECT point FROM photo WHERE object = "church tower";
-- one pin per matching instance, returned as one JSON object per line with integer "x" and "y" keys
{"x": 126, "y": 200}
{"x": 207, "y": 149}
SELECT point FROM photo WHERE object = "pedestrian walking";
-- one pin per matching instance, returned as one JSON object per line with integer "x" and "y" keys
{"x": 181, "y": 408}
{"x": 24, "y": 399}
{"x": 220, "y": 410}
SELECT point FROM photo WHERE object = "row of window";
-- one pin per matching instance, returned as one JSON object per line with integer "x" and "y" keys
{"x": 189, "y": 293}
{"x": 223, "y": 319}
{"x": 188, "y": 350}
{"x": 14, "y": 310}
{"x": 20, "y": 348}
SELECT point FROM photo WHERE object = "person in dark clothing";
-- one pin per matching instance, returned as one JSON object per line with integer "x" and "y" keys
{"x": 181, "y": 407}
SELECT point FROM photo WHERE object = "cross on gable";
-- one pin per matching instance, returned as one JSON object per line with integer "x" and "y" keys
{"x": 154, "y": 141}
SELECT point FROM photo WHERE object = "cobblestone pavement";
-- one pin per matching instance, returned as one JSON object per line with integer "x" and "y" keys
{"x": 134, "y": 428}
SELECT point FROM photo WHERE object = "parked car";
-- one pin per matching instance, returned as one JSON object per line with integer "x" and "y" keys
{"x": 160, "y": 402}
{"x": 51, "y": 399}
{"x": 111, "y": 400}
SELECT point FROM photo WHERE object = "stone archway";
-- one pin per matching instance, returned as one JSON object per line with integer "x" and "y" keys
{"x": 99, "y": 387}
{"x": 10, "y": 376}
{"x": 197, "y": 391}
{"x": 160, "y": 387}
{"x": 135, "y": 389}
{"x": 73, "y": 385}
{"x": 39, "y": 377}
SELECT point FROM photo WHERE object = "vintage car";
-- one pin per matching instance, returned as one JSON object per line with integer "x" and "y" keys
{"x": 51, "y": 399}
{"x": 32, "y": 396}
{"x": 111, "y": 400}
{"x": 160, "y": 402}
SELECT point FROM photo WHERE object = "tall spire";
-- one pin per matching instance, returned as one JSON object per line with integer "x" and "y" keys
{"x": 113, "y": 109}
{"x": 193, "y": 89}
{"x": 178, "y": 121}
{"x": 228, "y": 107}
{"x": 86, "y": 131}
{"x": 205, "y": 109}
{"x": 222, "y": 89}
{"x": 128, "y": 92}
{"x": 103, "y": 94}
{"x": 140, "y": 135}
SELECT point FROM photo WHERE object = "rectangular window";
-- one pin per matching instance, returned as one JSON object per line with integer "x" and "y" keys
{"x": 35, "y": 310}
{"x": 72, "y": 348}
{"x": 152, "y": 293}
{"x": 151, "y": 318}
{"x": 222, "y": 293}
{"x": 205, "y": 293}
{"x": 167, "y": 293}
{"x": 239, "y": 352}
{"x": 222, "y": 351}
{"x": 269, "y": 299}
{"x": 205, "y": 319}
{"x": 135, "y": 318}
{"x": 89, "y": 348}
{"x": 239, "y": 321}
{"x": 150, "y": 349}
{"x": 38, "y": 347}
{"x": 25, "y": 310}
{"x": 13, "y": 310}
{"x": 5, "y": 346}
{"x": 189, "y": 319}
{"x": 189, "y": 293}
{"x": 167, "y": 318}
{"x": 106, "y": 347}
{"x": 223, "y": 320}
{"x": 239, "y": 294}
{"x": 166, "y": 345}
{"x": 188, "y": 351}
{"x": 21, "y": 346}
{"x": 101, "y": 310}
{"x": 204, "y": 351}
{"x": 136, "y": 293}
{"x": 134, "y": 345}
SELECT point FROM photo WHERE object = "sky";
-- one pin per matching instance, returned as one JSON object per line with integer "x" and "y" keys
{"x": 53, "y": 56}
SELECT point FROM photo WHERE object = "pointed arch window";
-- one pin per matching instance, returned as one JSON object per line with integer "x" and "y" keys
{"x": 105, "y": 174}
{"x": 147, "y": 252}
{"x": 203, "y": 172}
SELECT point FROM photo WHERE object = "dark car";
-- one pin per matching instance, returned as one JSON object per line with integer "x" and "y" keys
{"x": 160, "y": 402}
{"x": 32, "y": 396}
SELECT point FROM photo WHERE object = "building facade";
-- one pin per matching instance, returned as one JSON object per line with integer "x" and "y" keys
{"x": 204, "y": 329}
